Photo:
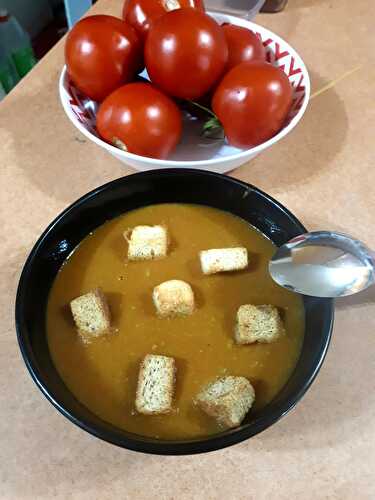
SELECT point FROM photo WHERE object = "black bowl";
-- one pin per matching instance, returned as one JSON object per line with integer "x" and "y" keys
{"x": 111, "y": 200}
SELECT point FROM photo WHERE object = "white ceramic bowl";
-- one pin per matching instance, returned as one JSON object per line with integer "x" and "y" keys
{"x": 194, "y": 151}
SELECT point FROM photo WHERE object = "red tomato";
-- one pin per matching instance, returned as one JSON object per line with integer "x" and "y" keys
{"x": 102, "y": 53}
{"x": 140, "y": 119}
{"x": 185, "y": 53}
{"x": 252, "y": 102}
{"x": 142, "y": 13}
{"x": 243, "y": 45}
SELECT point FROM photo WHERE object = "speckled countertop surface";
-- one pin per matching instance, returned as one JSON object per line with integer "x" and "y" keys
{"x": 324, "y": 172}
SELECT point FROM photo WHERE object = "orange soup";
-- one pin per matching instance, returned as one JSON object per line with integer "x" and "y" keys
{"x": 103, "y": 374}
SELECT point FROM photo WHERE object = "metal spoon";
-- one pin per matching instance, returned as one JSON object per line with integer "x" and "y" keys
{"x": 324, "y": 264}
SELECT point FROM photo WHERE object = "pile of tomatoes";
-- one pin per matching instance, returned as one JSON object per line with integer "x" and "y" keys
{"x": 188, "y": 56}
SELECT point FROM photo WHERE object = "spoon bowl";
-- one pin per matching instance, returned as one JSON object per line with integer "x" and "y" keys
{"x": 324, "y": 264}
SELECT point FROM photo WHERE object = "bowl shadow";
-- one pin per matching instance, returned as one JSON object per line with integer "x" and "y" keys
{"x": 58, "y": 148}
{"x": 333, "y": 409}
{"x": 308, "y": 150}
{"x": 303, "y": 4}
{"x": 366, "y": 297}
{"x": 311, "y": 146}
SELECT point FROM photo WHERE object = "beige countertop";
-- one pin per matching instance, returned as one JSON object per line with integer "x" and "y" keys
{"x": 324, "y": 172}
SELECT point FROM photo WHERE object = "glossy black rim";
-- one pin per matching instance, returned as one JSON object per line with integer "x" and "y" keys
{"x": 106, "y": 431}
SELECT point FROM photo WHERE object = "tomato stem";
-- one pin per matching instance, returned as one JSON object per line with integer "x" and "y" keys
{"x": 207, "y": 110}
{"x": 212, "y": 128}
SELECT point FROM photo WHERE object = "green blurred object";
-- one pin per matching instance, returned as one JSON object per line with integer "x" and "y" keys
{"x": 2, "y": 92}
{"x": 8, "y": 76}
{"x": 274, "y": 5}
{"x": 16, "y": 49}
{"x": 24, "y": 60}
{"x": 8, "y": 73}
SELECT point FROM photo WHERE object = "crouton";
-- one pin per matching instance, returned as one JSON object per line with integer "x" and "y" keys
{"x": 91, "y": 314}
{"x": 228, "y": 399}
{"x": 155, "y": 387}
{"x": 173, "y": 298}
{"x": 258, "y": 324}
{"x": 147, "y": 242}
{"x": 218, "y": 260}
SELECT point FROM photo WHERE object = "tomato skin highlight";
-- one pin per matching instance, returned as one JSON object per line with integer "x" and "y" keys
{"x": 140, "y": 119}
{"x": 101, "y": 53}
{"x": 252, "y": 102}
{"x": 142, "y": 13}
{"x": 243, "y": 45}
{"x": 185, "y": 53}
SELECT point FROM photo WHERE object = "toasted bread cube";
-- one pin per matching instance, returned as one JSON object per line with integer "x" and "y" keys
{"x": 218, "y": 260}
{"x": 155, "y": 387}
{"x": 147, "y": 242}
{"x": 258, "y": 324}
{"x": 91, "y": 314}
{"x": 228, "y": 399}
{"x": 173, "y": 298}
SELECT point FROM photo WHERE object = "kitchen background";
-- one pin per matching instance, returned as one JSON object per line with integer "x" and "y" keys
{"x": 29, "y": 29}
